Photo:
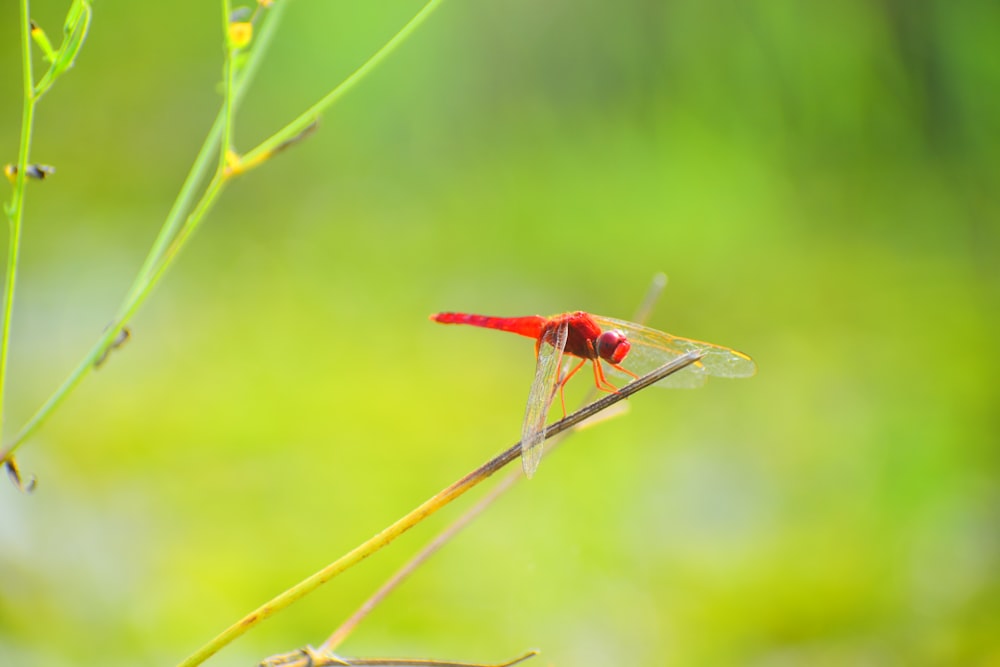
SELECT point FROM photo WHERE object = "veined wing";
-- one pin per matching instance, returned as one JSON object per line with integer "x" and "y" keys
{"x": 652, "y": 348}
{"x": 543, "y": 390}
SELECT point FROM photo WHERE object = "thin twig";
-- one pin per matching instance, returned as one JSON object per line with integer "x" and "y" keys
{"x": 309, "y": 116}
{"x": 310, "y": 657}
{"x": 645, "y": 308}
{"x": 15, "y": 216}
{"x": 15, "y": 211}
{"x": 423, "y": 511}
{"x": 404, "y": 662}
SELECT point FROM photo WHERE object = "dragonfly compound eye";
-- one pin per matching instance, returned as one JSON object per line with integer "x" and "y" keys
{"x": 612, "y": 346}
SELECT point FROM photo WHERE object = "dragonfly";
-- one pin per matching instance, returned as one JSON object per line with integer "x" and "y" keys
{"x": 628, "y": 350}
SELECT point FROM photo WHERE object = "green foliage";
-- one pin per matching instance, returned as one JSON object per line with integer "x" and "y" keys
{"x": 75, "y": 29}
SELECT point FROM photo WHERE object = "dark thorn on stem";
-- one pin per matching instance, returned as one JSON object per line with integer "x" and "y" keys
{"x": 123, "y": 337}
{"x": 309, "y": 129}
{"x": 14, "y": 474}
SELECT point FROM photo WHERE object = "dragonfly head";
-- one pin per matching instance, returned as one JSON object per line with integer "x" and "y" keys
{"x": 613, "y": 346}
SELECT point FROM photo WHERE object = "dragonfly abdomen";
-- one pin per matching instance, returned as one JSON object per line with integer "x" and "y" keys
{"x": 530, "y": 325}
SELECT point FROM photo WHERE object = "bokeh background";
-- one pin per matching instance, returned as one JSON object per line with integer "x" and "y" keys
{"x": 819, "y": 181}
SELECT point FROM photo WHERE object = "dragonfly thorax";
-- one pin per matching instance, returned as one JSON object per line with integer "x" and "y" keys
{"x": 612, "y": 346}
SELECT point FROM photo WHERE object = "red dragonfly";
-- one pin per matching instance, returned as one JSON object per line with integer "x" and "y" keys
{"x": 599, "y": 340}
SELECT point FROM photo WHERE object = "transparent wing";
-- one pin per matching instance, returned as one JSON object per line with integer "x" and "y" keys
{"x": 543, "y": 390}
{"x": 652, "y": 348}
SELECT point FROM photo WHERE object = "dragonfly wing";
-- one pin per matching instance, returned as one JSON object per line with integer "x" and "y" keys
{"x": 543, "y": 390}
{"x": 652, "y": 348}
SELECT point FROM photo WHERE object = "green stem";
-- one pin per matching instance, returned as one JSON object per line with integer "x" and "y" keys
{"x": 53, "y": 73}
{"x": 308, "y": 117}
{"x": 176, "y": 230}
{"x": 16, "y": 208}
{"x": 227, "y": 100}
{"x": 183, "y": 203}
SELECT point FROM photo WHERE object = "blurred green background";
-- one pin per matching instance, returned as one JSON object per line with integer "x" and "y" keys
{"x": 819, "y": 180}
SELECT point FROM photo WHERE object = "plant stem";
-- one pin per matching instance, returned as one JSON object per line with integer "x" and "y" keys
{"x": 310, "y": 115}
{"x": 183, "y": 202}
{"x": 309, "y": 657}
{"x": 176, "y": 228}
{"x": 16, "y": 208}
{"x": 227, "y": 79}
{"x": 403, "y": 662}
{"x": 423, "y": 511}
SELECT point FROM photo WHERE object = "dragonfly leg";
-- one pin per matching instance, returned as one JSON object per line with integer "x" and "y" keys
{"x": 623, "y": 370}
{"x": 562, "y": 383}
{"x": 601, "y": 381}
